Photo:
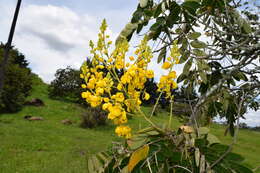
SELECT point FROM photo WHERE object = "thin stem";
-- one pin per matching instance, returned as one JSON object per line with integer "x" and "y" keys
{"x": 156, "y": 104}
{"x": 171, "y": 115}
{"x": 149, "y": 121}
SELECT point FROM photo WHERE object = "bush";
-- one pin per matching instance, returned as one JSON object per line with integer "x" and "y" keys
{"x": 66, "y": 85}
{"x": 17, "y": 82}
{"x": 93, "y": 117}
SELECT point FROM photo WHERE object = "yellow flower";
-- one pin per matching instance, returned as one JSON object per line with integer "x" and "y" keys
{"x": 174, "y": 85}
{"x": 131, "y": 58}
{"x": 83, "y": 86}
{"x": 166, "y": 65}
{"x": 119, "y": 97}
{"x": 84, "y": 95}
{"x": 110, "y": 60}
{"x": 172, "y": 74}
{"x": 99, "y": 91}
{"x": 81, "y": 76}
{"x": 149, "y": 74}
{"x": 106, "y": 99}
{"x": 119, "y": 86}
{"x": 106, "y": 106}
{"x": 146, "y": 96}
{"x": 123, "y": 131}
{"x": 114, "y": 112}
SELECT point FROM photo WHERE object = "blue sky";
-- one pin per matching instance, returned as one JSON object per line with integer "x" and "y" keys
{"x": 55, "y": 33}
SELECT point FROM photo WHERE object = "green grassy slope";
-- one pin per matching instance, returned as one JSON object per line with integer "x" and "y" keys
{"x": 49, "y": 146}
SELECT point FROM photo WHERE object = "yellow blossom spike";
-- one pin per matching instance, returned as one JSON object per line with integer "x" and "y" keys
{"x": 166, "y": 65}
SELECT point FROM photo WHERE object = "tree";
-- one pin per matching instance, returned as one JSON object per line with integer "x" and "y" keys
{"x": 155, "y": 148}
{"x": 8, "y": 46}
{"x": 66, "y": 85}
{"x": 18, "y": 81}
{"x": 222, "y": 60}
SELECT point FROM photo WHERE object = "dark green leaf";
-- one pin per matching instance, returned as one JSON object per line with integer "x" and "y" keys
{"x": 199, "y": 52}
{"x": 198, "y": 44}
{"x": 157, "y": 11}
{"x": 187, "y": 67}
{"x": 203, "y": 76}
{"x": 137, "y": 16}
{"x": 191, "y": 6}
{"x": 181, "y": 78}
{"x": 194, "y": 35}
{"x": 174, "y": 14}
{"x": 162, "y": 55}
{"x": 139, "y": 28}
{"x": 184, "y": 57}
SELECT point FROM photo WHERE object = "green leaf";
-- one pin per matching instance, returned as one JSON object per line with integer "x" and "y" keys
{"x": 137, "y": 16}
{"x": 199, "y": 52}
{"x": 181, "y": 78}
{"x": 178, "y": 31}
{"x": 203, "y": 76}
{"x": 157, "y": 11}
{"x": 162, "y": 55}
{"x": 212, "y": 139}
{"x": 235, "y": 157}
{"x": 187, "y": 66}
{"x": 139, "y": 28}
{"x": 194, "y": 35}
{"x": 238, "y": 168}
{"x": 198, "y": 44}
{"x": 191, "y": 6}
{"x": 155, "y": 26}
{"x": 184, "y": 57}
{"x": 238, "y": 75}
{"x": 246, "y": 27}
{"x": 174, "y": 14}
{"x": 94, "y": 165}
{"x": 136, "y": 142}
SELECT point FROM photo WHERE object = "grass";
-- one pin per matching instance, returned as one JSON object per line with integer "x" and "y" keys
{"x": 49, "y": 146}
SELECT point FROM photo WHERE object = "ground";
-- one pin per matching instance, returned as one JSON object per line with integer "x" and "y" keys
{"x": 49, "y": 146}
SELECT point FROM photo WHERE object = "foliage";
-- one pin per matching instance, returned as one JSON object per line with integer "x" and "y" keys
{"x": 220, "y": 59}
{"x": 17, "y": 82}
{"x": 224, "y": 89}
{"x": 151, "y": 151}
{"x": 66, "y": 85}
{"x": 93, "y": 117}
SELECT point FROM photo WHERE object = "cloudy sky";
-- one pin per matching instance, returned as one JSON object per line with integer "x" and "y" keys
{"x": 55, "y": 33}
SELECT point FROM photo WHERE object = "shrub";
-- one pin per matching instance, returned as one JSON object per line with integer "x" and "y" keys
{"x": 17, "y": 82}
{"x": 93, "y": 117}
{"x": 66, "y": 85}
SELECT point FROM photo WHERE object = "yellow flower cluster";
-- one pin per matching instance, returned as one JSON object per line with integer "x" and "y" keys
{"x": 102, "y": 79}
{"x": 167, "y": 83}
{"x": 124, "y": 131}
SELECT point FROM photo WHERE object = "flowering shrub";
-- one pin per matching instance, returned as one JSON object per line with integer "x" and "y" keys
{"x": 153, "y": 149}
{"x": 130, "y": 86}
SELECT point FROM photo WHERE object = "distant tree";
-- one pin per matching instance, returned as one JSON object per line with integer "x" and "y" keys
{"x": 17, "y": 81}
{"x": 66, "y": 85}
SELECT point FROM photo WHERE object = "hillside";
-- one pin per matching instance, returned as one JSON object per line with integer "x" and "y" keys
{"x": 49, "y": 146}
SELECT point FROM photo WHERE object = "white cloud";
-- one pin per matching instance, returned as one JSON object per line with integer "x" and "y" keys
{"x": 53, "y": 37}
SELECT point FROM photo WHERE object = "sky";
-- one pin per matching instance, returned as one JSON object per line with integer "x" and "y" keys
{"x": 54, "y": 34}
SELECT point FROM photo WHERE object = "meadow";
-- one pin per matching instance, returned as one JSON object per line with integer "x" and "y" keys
{"x": 49, "y": 146}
